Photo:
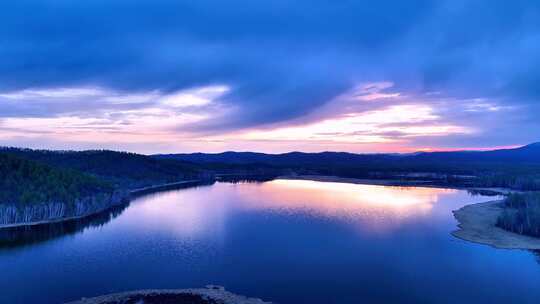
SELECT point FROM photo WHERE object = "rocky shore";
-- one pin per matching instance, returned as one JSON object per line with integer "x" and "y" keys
{"x": 209, "y": 295}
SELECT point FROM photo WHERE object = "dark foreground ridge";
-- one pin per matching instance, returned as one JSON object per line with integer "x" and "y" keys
{"x": 208, "y": 295}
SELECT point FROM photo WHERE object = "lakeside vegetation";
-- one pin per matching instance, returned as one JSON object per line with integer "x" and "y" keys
{"x": 517, "y": 169}
{"x": 27, "y": 182}
{"x": 521, "y": 213}
{"x": 526, "y": 182}
{"x": 34, "y": 176}
{"x": 24, "y": 235}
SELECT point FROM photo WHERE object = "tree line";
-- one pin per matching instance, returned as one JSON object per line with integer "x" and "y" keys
{"x": 27, "y": 182}
{"x": 521, "y": 213}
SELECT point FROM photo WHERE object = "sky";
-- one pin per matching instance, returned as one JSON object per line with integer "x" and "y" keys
{"x": 163, "y": 76}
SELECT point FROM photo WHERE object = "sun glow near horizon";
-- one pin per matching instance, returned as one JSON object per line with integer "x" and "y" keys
{"x": 175, "y": 122}
{"x": 390, "y": 124}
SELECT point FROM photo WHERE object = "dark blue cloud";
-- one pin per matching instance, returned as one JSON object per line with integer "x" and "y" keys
{"x": 282, "y": 59}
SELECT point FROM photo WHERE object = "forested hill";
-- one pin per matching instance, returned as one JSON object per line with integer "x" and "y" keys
{"x": 124, "y": 169}
{"x": 28, "y": 182}
{"x": 515, "y": 168}
{"x": 525, "y": 154}
{"x": 291, "y": 158}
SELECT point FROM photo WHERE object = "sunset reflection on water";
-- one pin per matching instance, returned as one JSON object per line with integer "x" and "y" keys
{"x": 375, "y": 208}
{"x": 381, "y": 207}
{"x": 292, "y": 237}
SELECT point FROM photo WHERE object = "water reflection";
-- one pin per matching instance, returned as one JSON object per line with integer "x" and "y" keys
{"x": 285, "y": 241}
{"x": 185, "y": 214}
{"x": 27, "y": 235}
{"x": 378, "y": 207}
{"x": 188, "y": 214}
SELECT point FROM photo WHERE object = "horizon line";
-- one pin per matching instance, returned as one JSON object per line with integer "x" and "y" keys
{"x": 413, "y": 151}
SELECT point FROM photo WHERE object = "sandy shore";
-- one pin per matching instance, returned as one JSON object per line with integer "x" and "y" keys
{"x": 477, "y": 224}
{"x": 209, "y": 295}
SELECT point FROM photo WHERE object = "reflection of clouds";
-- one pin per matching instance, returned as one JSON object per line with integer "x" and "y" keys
{"x": 195, "y": 213}
{"x": 380, "y": 207}
{"x": 187, "y": 213}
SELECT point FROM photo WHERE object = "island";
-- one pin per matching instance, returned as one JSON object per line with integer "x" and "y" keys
{"x": 209, "y": 295}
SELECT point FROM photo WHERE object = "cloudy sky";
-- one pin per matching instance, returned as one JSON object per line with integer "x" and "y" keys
{"x": 272, "y": 76}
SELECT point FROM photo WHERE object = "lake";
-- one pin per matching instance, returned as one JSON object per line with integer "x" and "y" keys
{"x": 286, "y": 241}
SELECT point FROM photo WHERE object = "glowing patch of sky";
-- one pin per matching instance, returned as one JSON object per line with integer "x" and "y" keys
{"x": 379, "y": 126}
{"x": 390, "y": 122}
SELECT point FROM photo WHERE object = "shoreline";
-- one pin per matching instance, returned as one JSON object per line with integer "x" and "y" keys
{"x": 208, "y": 295}
{"x": 132, "y": 194}
{"x": 476, "y": 224}
{"x": 125, "y": 200}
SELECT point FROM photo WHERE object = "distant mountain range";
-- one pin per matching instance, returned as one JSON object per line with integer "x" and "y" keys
{"x": 82, "y": 173}
{"x": 526, "y": 154}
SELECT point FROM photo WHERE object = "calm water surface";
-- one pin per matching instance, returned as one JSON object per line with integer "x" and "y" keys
{"x": 284, "y": 241}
